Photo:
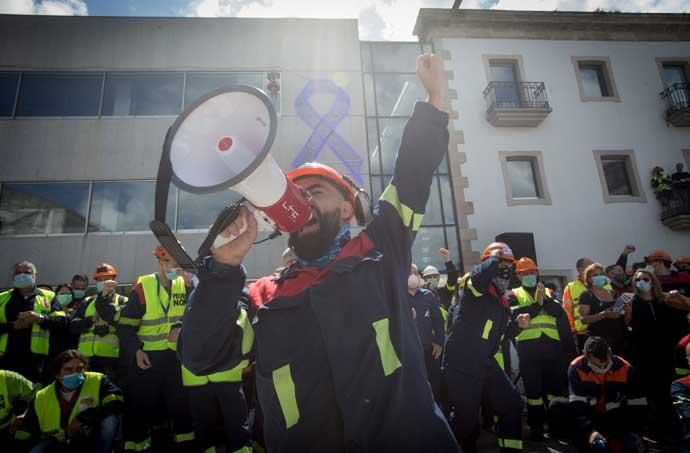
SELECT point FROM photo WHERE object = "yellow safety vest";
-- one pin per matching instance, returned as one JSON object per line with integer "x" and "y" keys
{"x": 162, "y": 311}
{"x": 47, "y": 405}
{"x": 190, "y": 379}
{"x": 40, "y": 337}
{"x": 542, "y": 324}
{"x": 6, "y": 414}
{"x": 576, "y": 288}
{"x": 91, "y": 344}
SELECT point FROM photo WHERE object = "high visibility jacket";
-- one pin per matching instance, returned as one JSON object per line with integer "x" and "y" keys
{"x": 91, "y": 344}
{"x": 47, "y": 405}
{"x": 661, "y": 183}
{"x": 40, "y": 337}
{"x": 162, "y": 312}
{"x": 13, "y": 387}
{"x": 190, "y": 379}
{"x": 543, "y": 324}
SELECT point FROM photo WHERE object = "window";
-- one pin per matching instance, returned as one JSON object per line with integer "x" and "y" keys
{"x": 619, "y": 177}
{"x": 123, "y": 206}
{"x": 675, "y": 73}
{"x": 8, "y": 92}
{"x": 506, "y": 88}
{"x": 198, "y": 212}
{"x": 142, "y": 94}
{"x": 595, "y": 79}
{"x": 391, "y": 90}
{"x": 523, "y": 177}
{"x": 59, "y": 94}
{"x": 198, "y": 84}
{"x": 43, "y": 208}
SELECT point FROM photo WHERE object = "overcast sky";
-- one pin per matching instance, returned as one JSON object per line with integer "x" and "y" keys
{"x": 378, "y": 19}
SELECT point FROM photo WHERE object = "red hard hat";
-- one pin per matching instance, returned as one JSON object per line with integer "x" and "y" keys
{"x": 525, "y": 265}
{"x": 682, "y": 260}
{"x": 504, "y": 252}
{"x": 162, "y": 254}
{"x": 324, "y": 171}
{"x": 659, "y": 255}
{"x": 105, "y": 270}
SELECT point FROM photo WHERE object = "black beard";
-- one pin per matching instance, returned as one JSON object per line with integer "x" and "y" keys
{"x": 310, "y": 246}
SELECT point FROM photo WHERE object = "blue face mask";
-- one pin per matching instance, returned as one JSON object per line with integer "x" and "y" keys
{"x": 100, "y": 286}
{"x": 73, "y": 381}
{"x": 64, "y": 299}
{"x": 24, "y": 281}
{"x": 79, "y": 293}
{"x": 171, "y": 274}
{"x": 643, "y": 286}
{"x": 599, "y": 281}
{"x": 529, "y": 281}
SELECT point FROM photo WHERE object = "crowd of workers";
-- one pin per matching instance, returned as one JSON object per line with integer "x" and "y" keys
{"x": 348, "y": 346}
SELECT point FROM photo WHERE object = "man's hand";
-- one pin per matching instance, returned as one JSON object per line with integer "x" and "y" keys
{"x": 29, "y": 317}
{"x": 430, "y": 72}
{"x": 174, "y": 335}
{"x": 233, "y": 252}
{"x": 414, "y": 314}
{"x": 74, "y": 427}
{"x": 629, "y": 249}
{"x": 143, "y": 361}
{"x": 445, "y": 254}
{"x": 20, "y": 324}
{"x": 436, "y": 350}
{"x": 187, "y": 277}
{"x": 109, "y": 287}
{"x": 523, "y": 320}
{"x": 595, "y": 436}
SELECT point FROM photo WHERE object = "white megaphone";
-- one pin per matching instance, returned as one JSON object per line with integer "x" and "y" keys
{"x": 222, "y": 141}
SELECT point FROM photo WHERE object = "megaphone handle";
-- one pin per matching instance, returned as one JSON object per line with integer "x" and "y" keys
{"x": 222, "y": 240}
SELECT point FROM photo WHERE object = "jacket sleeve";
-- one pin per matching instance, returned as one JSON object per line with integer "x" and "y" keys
{"x": 563, "y": 327}
{"x": 453, "y": 275}
{"x": 680, "y": 394}
{"x": 19, "y": 388}
{"x": 211, "y": 340}
{"x": 579, "y": 405}
{"x": 399, "y": 212}
{"x": 79, "y": 323}
{"x": 436, "y": 320}
{"x": 111, "y": 404}
{"x": 482, "y": 274}
{"x": 622, "y": 261}
{"x": 56, "y": 320}
{"x": 128, "y": 323}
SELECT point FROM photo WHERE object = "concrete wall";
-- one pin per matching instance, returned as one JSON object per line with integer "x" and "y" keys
{"x": 71, "y": 149}
{"x": 578, "y": 222}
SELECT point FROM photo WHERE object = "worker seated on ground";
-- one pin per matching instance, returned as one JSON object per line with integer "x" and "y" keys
{"x": 80, "y": 411}
{"x": 606, "y": 401}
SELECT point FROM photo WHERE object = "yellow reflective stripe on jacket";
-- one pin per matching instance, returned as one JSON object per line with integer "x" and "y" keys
{"x": 389, "y": 358}
{"x": 285, "y": 391}
{"x": 470, "y": 286}
{"x": 138, "y": 446}
{"x": 134, "y": 322}
{"x": 510, "y": 443}
{"x": 407, "y": 215}
{"x": 487, "y": 329}
{"x": 500, "y": 360}
{"x": 184, "y": 437}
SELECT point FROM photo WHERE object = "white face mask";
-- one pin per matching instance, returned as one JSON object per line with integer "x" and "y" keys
{"x": 412, "y": 281}
{"x": 599, "y": 370}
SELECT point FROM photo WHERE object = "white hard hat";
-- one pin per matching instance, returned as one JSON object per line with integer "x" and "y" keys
{"x": 430, "y": 270}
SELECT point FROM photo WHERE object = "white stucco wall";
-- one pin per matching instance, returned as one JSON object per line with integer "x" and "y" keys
{"x": 578, "y": 222}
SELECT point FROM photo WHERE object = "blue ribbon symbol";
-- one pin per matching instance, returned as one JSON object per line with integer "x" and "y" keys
{"x": 324, "y": 127}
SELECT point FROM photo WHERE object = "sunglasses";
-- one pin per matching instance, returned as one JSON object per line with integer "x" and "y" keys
{"x": 643, "y": 279}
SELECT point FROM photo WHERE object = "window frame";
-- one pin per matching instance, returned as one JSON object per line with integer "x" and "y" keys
{"x": 607, "y": 68}
{"x": 539, "y": 178}
{"x": 638, "y": 195}
{"x": 680, "y": 61}
{"x": 686, "y": 155}
{"x": 515, "y": 60}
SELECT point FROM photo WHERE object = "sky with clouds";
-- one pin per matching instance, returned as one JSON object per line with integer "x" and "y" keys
{"x": 378, "y": 19}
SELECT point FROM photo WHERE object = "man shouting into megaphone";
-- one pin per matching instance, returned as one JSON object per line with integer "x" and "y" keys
{"x": 339, "y": 365}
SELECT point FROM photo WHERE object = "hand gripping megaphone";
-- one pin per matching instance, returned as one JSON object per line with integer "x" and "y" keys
{"x": 222, "y": 141}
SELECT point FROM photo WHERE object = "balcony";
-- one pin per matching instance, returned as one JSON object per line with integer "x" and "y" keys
{"x": 516, "y": 104}
{"x": 677, "y": 98}
{"x": 676, "y": 214}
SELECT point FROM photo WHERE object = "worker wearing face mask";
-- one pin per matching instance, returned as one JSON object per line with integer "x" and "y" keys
{"x": 29, "y": 318}
{"x": 471, "y": 370}
{"x": 545, "y": 345}
{"x": 144, "y": 327}
{"x": 97, "y": 338}
{"x": 606, "y": 400}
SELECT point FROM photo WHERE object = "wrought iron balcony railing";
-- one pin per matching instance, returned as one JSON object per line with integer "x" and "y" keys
{"x": 527, "y": 95}
{"x": 677, "y": 99}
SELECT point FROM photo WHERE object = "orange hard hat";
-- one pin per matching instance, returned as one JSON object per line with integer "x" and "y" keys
{"x": 525, "y": 265}
{"x": 659, "y": 255}
{"x": 105, "y": 270}
{"x": 162, "y": 254}
{"x": 503, "y": 251}
{"x": 682, "y": 260}
{"x": 324, "y": 171}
